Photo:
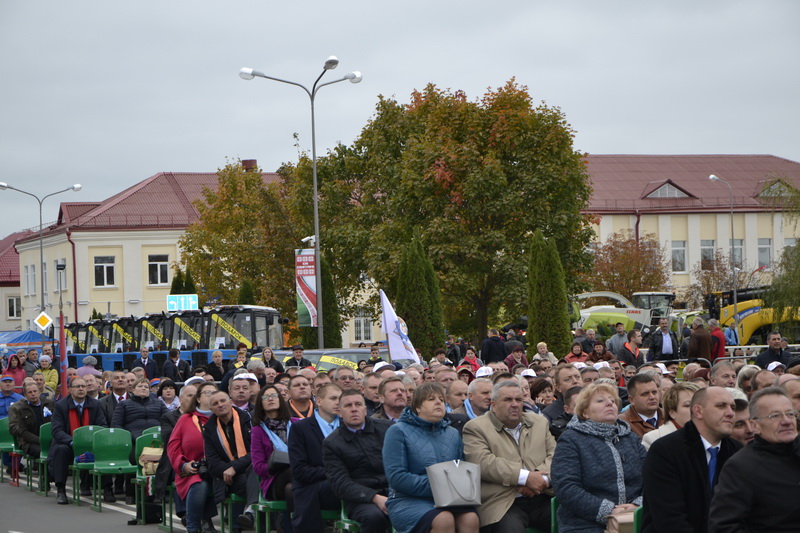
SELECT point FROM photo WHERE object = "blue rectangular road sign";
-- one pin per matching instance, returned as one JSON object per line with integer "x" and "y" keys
{"x": 181, "y": 302}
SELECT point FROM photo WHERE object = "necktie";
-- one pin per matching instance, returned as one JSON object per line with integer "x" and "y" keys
{"x": 652, "y": 421}
{"x": 80, "y": 413}
{"x": 712, "y": 464}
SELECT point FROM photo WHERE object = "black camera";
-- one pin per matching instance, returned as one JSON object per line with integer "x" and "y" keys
{"x": 202, "y": 469}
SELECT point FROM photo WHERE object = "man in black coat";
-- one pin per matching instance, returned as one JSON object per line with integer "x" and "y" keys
{"x": 760, "y": 486}
{"x": 297, "y": 358}
{"x": 676, "y": 472}
{"x": 664, "y": 345}
{"x": 311, "y": 488}
{"x": 74, "y": 411}
{"x": 774, "y": 352}
{"x": 493, "y": 349}
{"x": 146, "y": 362}
{"x": 175, "y": 368}
{"x": 353, "y": 457}
{"x": 226, "y": 436}
{"x": 25, "y": 417}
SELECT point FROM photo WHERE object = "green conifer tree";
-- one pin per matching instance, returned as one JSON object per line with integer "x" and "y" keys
{"x": 188, "y": 283}
{"x": 177, "y": 283}
{"x": 548, "y": 315}
{"x": 246, "y": 294}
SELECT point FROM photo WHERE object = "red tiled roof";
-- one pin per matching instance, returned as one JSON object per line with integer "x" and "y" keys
{"x": 161, "y": 201}
{"x": 9, "y": 258}
{"x": 621, "y": 182}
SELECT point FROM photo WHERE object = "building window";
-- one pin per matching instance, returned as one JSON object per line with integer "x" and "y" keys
{"x": 679, "y": 256}
{"x": 737, "y": 253}
{"x": 104, "y": 271}
{"x": 61, "y": 275}
{"x": 707, "y": 254}
{"x": 27, "y": 287}
{"x": 32, "y": 279}
{"x": 44, "y": 276}
{"x": 765, "y": 253}
{"x": 14, "y": 307}
{"x": 363, "y": 325}
{"x": 158, "y": 269}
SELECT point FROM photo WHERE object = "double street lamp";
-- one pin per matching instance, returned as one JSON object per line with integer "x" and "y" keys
{"x": 712, "y": 177}
{"x": 354, "y": 77}
{"x": 77, "y": 187}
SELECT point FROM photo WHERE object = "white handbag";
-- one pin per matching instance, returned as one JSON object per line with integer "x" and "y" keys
{"x": 455, "y": 483}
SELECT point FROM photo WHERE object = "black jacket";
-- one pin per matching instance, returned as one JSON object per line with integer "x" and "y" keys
{"x": 109, "y": 403}
{"x": 137, "y": 414}
{"x": 164, "y": 473}
{"x": 180, "y": 372}
{"x": 218, "y": 460}
{"x": 769, "y": 355}
{"x": 215, "y": 371}
{"x": 676, "y": 486}
{"x": 302, "y": 363}
{"x": 493, "y": 350}
{"x": 758, "y": 490}
{"x": 150, "y": 369}
{"x": 626, "y": 356}
{"x": 657, "y": 345}
{"x": 354, "y": 462}
{"x": 62, "y": 433}
{"x": 305, "y": 452}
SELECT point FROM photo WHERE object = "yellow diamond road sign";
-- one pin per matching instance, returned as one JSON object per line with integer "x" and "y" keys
{"x": 43, "y": 321}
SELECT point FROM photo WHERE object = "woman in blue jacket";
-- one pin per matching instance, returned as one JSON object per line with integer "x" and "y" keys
{"x": 597, "y": 466}
{"x": 422, "y": 437}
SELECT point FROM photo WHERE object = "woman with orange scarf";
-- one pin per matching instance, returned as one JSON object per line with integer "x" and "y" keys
{"x": 186, "y": 451}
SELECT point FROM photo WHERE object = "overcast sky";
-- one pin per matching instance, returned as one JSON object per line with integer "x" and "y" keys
{"x": 107, "y": 93}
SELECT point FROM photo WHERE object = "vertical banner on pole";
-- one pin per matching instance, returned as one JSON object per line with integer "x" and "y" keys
{"x": 305, "y": 279}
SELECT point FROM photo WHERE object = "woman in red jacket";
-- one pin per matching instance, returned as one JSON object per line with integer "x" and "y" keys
{"x": 187, "y": 455}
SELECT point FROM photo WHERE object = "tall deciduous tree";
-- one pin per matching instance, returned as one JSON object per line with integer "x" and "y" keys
{"x": 244, "y": 231}
{"x": 711, "y": 275}
{"x": 548, "y": 315}
{"x": 246, "y": 294}
{"x": 476, "y": 177}
{"x": 626, "y": 265}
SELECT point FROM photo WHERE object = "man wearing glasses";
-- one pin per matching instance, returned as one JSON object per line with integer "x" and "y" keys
{"x": 760, "y": 486}
{"x": 345, "y": 378}
{"x": 74, "y": 411}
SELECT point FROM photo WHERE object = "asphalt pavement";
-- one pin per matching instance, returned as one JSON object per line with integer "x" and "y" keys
{"x": 22, "y": 511}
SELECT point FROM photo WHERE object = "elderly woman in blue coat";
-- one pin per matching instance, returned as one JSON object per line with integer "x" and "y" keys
{"x": 422, "y": 437}
{"x": 597, "y": 466}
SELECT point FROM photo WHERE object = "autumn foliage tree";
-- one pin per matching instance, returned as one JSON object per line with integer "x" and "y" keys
{"x": 475, "y": 177}
{"x": 710, "y": 275}
{"x": 625, "y": 265}
{"x": 243, "y": 232}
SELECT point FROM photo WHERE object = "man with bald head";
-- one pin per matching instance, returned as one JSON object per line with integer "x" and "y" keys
{"x": 682, "y": 468}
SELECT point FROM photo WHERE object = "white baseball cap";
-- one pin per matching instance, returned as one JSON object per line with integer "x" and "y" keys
{"x": 484, "y": 371}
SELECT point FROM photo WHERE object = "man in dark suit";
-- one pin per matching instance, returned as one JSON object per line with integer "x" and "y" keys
{"x": 678, "y": 478}
{"x": 226, "y": 436}
{"x": 119, "y": 393}
{"x": 175, "y": 368}
{"x": 353, "y": 457}
{"x": 664, "y": 344}
{"x": 74, "y": 411}
{"x": 311, "y": 488}
{"x": 146, "y": 362}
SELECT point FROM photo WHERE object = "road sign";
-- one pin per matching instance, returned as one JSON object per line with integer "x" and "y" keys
{"x": 181, "y": 302}
{"x": 43, "y": 321}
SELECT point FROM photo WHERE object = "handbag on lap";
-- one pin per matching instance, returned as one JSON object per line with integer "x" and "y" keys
{"x": 455, "y": 483}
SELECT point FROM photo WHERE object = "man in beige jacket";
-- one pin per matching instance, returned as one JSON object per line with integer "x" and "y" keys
{"x": 514, "y": 450}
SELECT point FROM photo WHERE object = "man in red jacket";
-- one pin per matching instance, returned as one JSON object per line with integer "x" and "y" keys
{"x": 717, "y": 340}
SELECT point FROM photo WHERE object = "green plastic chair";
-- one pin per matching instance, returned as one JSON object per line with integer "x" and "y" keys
{"x": 638, "y": 519}
{"x": 155, "y": 430}
{"x": 82, "y": 442}
{"x": 264, "y": 508}
{"x": 152, "y": 440}
{"x": 45, "y": 440}
{"x": 112, "y": 451}
{"x": 346, "y": 524}
{"x": 16, "y": 455}
{"x": 226, "y": 517}
{"x": 6, "y": 444}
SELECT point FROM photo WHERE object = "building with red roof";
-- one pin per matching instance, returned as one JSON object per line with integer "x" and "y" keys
{"x": 11, "y": 317}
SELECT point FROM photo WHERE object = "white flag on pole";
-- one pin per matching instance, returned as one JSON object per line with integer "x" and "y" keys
{"x": 394, "y": 327}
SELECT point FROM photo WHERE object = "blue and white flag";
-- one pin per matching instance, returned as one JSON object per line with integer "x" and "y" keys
{"x": 396, "y": 332}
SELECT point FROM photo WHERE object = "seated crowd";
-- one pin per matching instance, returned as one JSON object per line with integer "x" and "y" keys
{"x": 600, "y": 429}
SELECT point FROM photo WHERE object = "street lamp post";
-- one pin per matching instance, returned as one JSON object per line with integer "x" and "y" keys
{"x": 62, "y": 350}
{"x": 712, "y": 177}
{"x": 331, "y": 63}
{"x": 76, "y": 188}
